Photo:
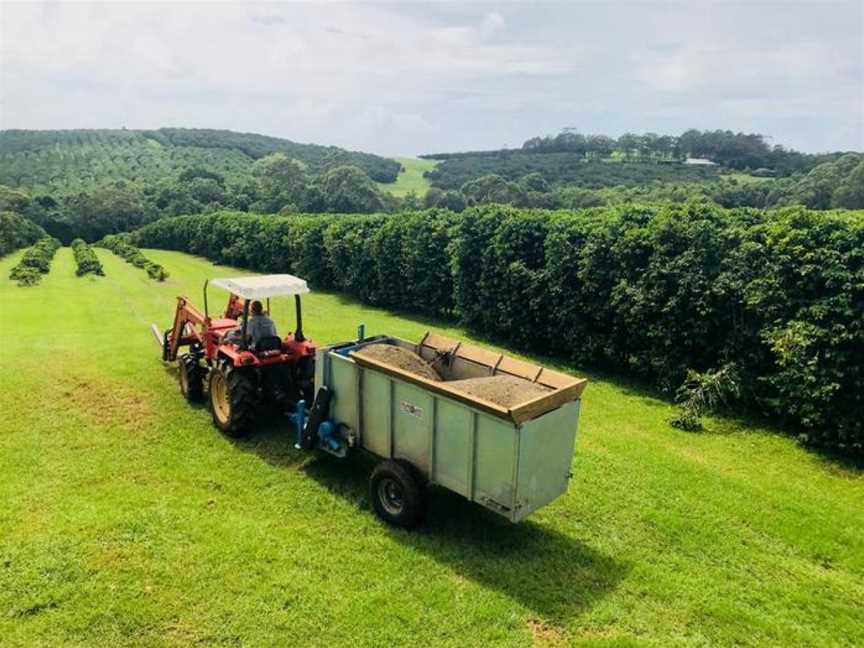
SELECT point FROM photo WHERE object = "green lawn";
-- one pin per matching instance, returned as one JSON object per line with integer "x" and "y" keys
{"x": 411, "y": 179}
{"x": 126, "y": 519}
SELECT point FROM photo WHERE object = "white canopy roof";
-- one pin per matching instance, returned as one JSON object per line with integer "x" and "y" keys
{"x": 263, "y": 286}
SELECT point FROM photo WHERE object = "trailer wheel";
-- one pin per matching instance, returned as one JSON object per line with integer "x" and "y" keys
{"x": 396, "y": 494}
{"x": 191, "y": 376}
{"x": 233, "y": 399}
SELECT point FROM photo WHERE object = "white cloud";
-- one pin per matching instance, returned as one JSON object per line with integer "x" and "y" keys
{"x": 406, "y": 78}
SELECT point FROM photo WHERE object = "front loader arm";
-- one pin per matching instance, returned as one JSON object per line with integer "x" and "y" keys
{"x": 180, "y": 335}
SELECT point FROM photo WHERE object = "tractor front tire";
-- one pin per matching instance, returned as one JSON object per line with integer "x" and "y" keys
{"x": 191, "y": 376}
{"x": 396, "y": 494}
{"x": 233, "y": 400}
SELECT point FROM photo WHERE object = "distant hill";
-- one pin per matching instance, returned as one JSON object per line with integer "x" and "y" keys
{"x": 595, "y": 161}
{"x": 76, "y": 160}
{"x": 563, "y": 169}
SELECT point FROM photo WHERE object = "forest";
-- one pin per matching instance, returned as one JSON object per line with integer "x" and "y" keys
{"x": 91, "y": 184}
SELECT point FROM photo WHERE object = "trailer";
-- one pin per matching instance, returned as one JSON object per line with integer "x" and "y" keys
{"x": 510, "y": 460}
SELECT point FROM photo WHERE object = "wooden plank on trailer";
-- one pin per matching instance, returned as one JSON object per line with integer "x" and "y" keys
{"x": 477, "y": 355}
{"x": 438, "y": 342}
{"x": 518, "y": 368}
{"x": 555, "y": 379}
{"x": 547, "y": 402}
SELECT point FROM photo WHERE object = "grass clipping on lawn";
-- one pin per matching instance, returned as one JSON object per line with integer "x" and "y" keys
{"x": 507, "y": 391}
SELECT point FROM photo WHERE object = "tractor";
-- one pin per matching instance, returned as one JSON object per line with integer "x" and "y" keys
{"x": 242, "y": 378}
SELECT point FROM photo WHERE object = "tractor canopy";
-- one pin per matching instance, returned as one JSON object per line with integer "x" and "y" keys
{"x": 263, "y": 287}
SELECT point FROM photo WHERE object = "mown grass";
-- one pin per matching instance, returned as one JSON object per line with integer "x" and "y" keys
{"x": 126, "y": 519}
{"x": 411, "y": 179}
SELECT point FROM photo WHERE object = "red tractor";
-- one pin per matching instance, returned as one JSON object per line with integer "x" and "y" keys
{"x": 242, "y": 377}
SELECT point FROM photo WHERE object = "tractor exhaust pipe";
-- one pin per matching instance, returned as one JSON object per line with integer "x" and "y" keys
{"x": 298, "y": 334}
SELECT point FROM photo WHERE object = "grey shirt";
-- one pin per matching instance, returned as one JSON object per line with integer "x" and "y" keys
{"x": 260, "y": 326}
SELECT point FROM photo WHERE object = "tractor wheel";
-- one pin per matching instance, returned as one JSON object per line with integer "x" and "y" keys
{"x": 396, "y": 494}
{"x": 233, "y": 399}
{"x": 191, "y": 375}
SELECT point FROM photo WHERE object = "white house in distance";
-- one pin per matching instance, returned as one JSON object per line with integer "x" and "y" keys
{"x": 700, "y": 162}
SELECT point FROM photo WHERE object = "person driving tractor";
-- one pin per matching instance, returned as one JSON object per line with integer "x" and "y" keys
{"x": 259, "y": 326}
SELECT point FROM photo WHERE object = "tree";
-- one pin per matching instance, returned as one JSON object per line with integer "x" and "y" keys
{"x": 534, "y": 182}
{"x": 13, "y": 199}
{"x": 450, "y": 199}
{"x": 491, "y": 189}
{"x": 850, "y": 192}
{"x": 197, "y": 172}
{"x": 281, "y": 181}
{"x": 347, "y": 189}
{"x": 411, "y": 202}
{"x": 107, "y": 210}
{"x": 817, "y": 189}
{"x": 206, "y": 190}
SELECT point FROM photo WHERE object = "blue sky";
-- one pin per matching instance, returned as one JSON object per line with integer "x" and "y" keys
{"x": 410, "y": 77}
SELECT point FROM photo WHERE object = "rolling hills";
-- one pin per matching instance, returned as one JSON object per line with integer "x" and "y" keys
{"x": 67, "y": 161}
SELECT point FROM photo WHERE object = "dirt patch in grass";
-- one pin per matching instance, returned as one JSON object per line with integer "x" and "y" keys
{"x": 400, "y": 358}
{"x": 544, "y": 634}
{"x": 506, "y": 391}
{"x": 104, "y": 402}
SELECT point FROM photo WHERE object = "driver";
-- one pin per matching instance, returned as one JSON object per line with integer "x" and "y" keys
{"x": 259, "y": 326}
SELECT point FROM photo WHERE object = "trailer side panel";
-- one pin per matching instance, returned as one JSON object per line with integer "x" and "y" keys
{"x": 545, "y": 458}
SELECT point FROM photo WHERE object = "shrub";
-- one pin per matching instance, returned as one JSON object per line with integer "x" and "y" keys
{"x": 86, "y": 259}
{"x": 25, "y": 275}
{"x": 119, "y": 245}
{"x": 35, "y": 262}
{"x": 660, "y": 291}
{"x": 17, "y": 232}
{"x": 702, "y": 393}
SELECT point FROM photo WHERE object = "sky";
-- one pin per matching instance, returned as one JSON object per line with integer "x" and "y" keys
{"x": 408, "y": 78}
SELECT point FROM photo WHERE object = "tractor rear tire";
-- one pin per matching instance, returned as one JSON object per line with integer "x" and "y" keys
{"x": 396, "y": 494}
{"x": 233, "y": 400}
{"x": 191, "y": 376}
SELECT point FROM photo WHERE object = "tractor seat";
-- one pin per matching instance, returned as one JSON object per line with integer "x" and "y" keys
{"x": 268, "y": 344}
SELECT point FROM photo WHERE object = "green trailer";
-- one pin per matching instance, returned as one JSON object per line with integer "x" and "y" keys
{"x": 511, "y": 460}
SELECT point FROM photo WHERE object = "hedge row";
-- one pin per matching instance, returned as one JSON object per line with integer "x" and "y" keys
{"x": 86, "y": 259}
{"x": 17, "y": 232}
{"x": 35, "y": 262}
{"x": 119, "y": 245}
{"x": 652, "y": 290}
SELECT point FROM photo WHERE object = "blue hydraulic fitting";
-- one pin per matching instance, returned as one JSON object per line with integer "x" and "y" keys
{"x": 298, "y": 418}
{"x": 325, "y": 434}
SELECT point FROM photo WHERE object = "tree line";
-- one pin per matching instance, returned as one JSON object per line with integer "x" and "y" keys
{"x": 73, "y": 159}
{"x": 724, "y": 147}
{"x": 277, "y": 184}
{"x": 654, "y": 291}
{"x": 830, "y": 185}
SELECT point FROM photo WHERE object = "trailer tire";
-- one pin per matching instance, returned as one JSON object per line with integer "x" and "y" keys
{"x": 233, "y": 400}
{"x": 396, "y": 494}
{"x": 191, "y": 377}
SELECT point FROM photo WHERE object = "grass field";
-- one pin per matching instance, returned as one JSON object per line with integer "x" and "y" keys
{"x": 126, "y": 519}
{"x": 411, "y": 179}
